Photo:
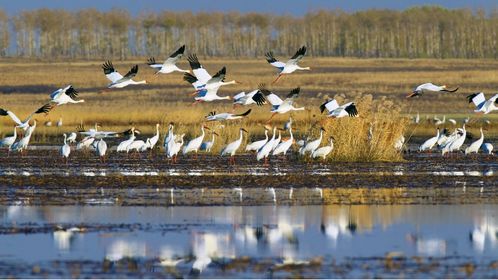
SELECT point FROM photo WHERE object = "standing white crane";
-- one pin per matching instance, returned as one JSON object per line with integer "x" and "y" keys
{"x": 311, "y": 146}
{"x": 123, "y": 146}
{"x": 336, "y": 111}
{"x": 429, "y": 143}
{"x": 256, "y": 145}
{"x": 9, "y": 140}
{"x": 277, "y": 140}
{"x": 208, "y": 145}
{"x": 169, "y": 137}
{"x": 232, "y": 147}
{"x": 429, "y": 87}
{"x": 65, "y": 149}
{"x": 154, "y": 139}
{"x": 174, "y": 147}
{"x": 483, "y": 105}
{"x": 65, "y": 95}
{"x": 25, "y": 124}
{"x": 101, "y": 149}
{"x": 118, "y": 80}
{"x": 288, "y": 67}
{"x": 212, "y": 116}
{"x": 169, "y": 65}
{"x": 284, "y": 146}
{"x": 265, "y": 150}
{"x": 22, "y": 144}
{"x": 72, "y": 137}
{"x": 280, "y": 106}
{"x": 455, "y": 141}
{"x": 324, "y": 151}
{"x": 475, "y": 146}
{"x": 195, "y": 144}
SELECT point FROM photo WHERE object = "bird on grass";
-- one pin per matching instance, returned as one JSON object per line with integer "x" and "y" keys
{"x": 169, "y": 65}
{"x": 290, "y": 66}
{"x": 65, "y": 149}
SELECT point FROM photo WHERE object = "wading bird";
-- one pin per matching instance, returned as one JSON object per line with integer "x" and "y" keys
{"x": 154, "y": 139}
{"x": 65, "y": 95}
{"x": 118, "y": 80}
{"x": 429, "y": 87}
{"x": 429, "y": 143}
{"x": 265, "y": 150}
{"x": 475, "y": 146}
{"x": 169, "y": 65}
{"x": 487, "y": 148}
{"x": 232, "y": 147}
{"x": 256, "y": 145}
{"x": 324, "y": 151}
{"x": 22, "y": 145}
{"x": 336, "y": 111}
{"x": 311, "y": 146}
{"x": 9, "y": 140}
{"x": 72, "y": 137}
{"x": 25, "y": 124}
{"x": 123, "y": 146}
{"x": 482, "y": 105}
{"x": 208, "y": 145}
{"x": 212, "y": 116}
{"x": 290, "y": 66}
{"x": 284, "y": 146}
{"x": 101, "y": 149}
{"x": 280, "y": 106}
{"x": 65, "y": 149}
{"x": 195, "y": 144}
{"x": 174, "y": 147}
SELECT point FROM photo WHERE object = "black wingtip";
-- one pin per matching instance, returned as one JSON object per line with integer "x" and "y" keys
{"x": 151, "y": 61}
{"x": 245, "y": 114}
{"x": 322, "y": 107}
{"x": 189, "y": 78}
{"x": 470, "y": 97}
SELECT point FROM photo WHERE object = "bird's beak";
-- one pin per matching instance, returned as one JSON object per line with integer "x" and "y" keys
{"x": 411, "y": 94}
{"x": 244, "y": 130}
{"x": 207, "y": 127}
{"x": 216, "y": 134}
{"x": 238, "y": 82}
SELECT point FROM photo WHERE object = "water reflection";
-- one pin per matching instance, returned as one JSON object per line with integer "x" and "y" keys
{"x": 199, "y": 239}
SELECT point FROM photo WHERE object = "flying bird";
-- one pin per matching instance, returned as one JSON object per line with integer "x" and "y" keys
{"x": 118, "y": 80}
{"x": 483, "y": 105}
{"x": 226, "y": 116}
{"x": 288, "y": 67}
{"x": 336, "y": 111}
{"x": 169, "y": 65}
{"x": 429, "y": 87}
{"x": 65, "y": 95}
{"x": 280, "y": 106}
{"x": 25, "y": 124}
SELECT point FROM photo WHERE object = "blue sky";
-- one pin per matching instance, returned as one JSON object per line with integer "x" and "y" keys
{"x": 295, "y": 7}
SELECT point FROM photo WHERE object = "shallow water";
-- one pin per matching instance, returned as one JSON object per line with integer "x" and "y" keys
{"x": 250, "y": 241}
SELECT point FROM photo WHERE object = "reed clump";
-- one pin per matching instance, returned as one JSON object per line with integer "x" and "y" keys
{"x": 369, "y": 137}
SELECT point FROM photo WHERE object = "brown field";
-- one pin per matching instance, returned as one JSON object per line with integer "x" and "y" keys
{"x": 380, "y": 83}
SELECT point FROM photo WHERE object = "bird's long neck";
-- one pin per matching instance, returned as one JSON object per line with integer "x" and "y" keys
{"x": 15, "y": 132}
{"x": 202, "y": 131}
{"x": 321, "y": 135}
{"x": 302, "y": 68}
{"x": 482, "y": 136}
{"x": 273, "y": 136}
{"x": 228, "y": 83}
{"x": 157, "y": 130}
{"x": 77, "y": 101}
{"x": 266, "y": 135}
{"x": 298, "y": 109}
{"x": 138, "y": 83}
{"x": 241, "y": 134}
{"x": 212, "y": 138}
{"x": 291, "y": 135}
{"x": 65, "y": 137}
{"x": 224, "y": 97}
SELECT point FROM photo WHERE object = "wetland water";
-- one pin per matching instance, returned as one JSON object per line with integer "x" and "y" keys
{"x": 250, "y": 241}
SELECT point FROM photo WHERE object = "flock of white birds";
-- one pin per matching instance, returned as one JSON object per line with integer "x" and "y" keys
{"x": 206, "y": 90}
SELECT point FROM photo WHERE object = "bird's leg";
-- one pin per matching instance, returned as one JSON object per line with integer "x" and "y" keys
{"x": 278, "y": 77}
{"x": 196, "y": 102}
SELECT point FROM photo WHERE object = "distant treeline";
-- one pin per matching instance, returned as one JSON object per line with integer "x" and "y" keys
{"x": 419, "y": 32}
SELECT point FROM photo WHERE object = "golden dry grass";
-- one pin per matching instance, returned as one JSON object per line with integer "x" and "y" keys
{"x": 165, "y": 99}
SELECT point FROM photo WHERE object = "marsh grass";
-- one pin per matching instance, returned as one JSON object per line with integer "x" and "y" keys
{"x": 377, "y": 85}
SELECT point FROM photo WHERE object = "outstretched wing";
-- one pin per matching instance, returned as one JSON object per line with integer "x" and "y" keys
{"x": 110, "y": 72}
{"x": 477, "y": 98}
{"x": 294, "y": 93}
{"x": 152, "y": 63}
{"x": 132, "y": 73}
{"x": 192, "y": 80}
{"x": 11, "y": 115}
{"x": 297, "y": 56}
{"x": 351, "y": 110}
{"x": 259, "y": 98}
{"x": 174, "y": 57}
{"x": 274, "y": 62}
{"x": 270, "y": 96}
{"x": 219, "y": 76}
{"x": 330, "y": 105}
{"x": 71, "y": 92}
{"x": 199, "y": 71}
